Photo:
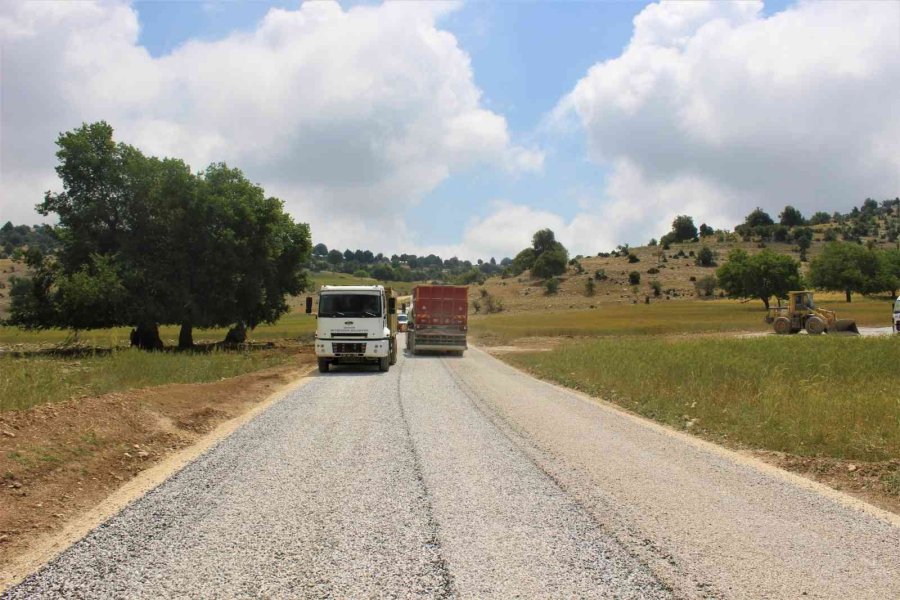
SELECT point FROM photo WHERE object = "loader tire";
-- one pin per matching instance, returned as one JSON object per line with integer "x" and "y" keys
{"x": 815, "y": 326}
{"x": 782, "y": 326}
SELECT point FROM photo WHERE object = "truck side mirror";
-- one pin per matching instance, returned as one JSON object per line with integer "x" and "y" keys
{"x": 308, "y": 304}
{"x": 392, "y": 306}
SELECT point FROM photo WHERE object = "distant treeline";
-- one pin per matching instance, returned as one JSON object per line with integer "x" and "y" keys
{"x": 404, "y": 267}
{"x": 22, "y": 237}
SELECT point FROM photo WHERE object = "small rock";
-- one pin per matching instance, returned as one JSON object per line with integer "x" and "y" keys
{"x": 9, "y": 434}
{"x": 58, "y": 515}
{"x": 143, "y": 454}
{"x": 3, "y": 538}
{"x": 15, "y": 485}
{"x": 127, "y": 455}
{"x": 851, "y": 468}
{"x": 136, "y": 446}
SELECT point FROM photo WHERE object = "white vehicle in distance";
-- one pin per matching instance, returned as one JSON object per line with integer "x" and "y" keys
{"x": 402, "y": 322}
{"x": 897, "y": 315}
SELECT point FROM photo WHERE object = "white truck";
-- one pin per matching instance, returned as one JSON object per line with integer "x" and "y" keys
{"x": 355, "y": 324}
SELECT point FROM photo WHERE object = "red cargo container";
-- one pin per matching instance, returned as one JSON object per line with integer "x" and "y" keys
{"x": 439, "y": 318}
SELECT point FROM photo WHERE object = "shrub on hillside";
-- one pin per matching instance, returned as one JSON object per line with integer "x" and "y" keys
{"x": 634, "y": 278}
{"x": 600, "y": 275}
{"x": 656, "y": 287}
{"x": 706, "y": 286}
{"x": 632, "y": 258}
{"x": 652, "y": 271}
{"x": 551, "y": 286}
{"x": 706, "y": 257}
{"x": 589, "y": 288}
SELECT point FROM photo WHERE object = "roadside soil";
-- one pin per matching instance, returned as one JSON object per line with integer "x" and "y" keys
{"x": 58, "y": 461}
{"x": 877, "y": 483}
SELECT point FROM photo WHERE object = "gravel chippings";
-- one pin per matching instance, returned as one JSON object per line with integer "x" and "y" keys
{"x": 462, "y": 477}
{"x": 318, "y": 497}
{"x": 708, "y": 522}
{"x": 506, "y": 529}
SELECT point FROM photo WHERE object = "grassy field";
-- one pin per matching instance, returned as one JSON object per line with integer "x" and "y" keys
{"x": 834, "y": 397}
{"x": 672, "y": 317}
{"x": 26, "y": 382}
{"x": 295, "y": 325}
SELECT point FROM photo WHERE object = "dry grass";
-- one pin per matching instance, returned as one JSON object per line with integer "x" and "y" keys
{"x": 27, "y": 382}
{"x": 296, "y": 325}
{"x": 672, "y": 317}
{"x": 834, "y": 397}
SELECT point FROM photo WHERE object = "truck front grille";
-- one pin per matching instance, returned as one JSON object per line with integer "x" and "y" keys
{"x": 349, "y": 348}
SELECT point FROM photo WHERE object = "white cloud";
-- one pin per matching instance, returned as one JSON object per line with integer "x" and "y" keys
{"x": 713, "y": 109}
{"x": 339, "y": 112}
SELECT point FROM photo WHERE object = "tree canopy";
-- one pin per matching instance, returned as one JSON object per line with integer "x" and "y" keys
{"x": 143, "y": 241}
{"x": 761, "y": 275}
{"x": 848, "y": 267}
{"x": 791, "y": 217}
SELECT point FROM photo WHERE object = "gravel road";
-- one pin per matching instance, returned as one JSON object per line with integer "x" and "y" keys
{"x": 461, "y": 477}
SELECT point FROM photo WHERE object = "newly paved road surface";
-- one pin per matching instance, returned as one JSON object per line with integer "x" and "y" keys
{"x": 461, "y": 477}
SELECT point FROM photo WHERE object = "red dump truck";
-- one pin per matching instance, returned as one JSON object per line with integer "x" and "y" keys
{"x": 438, "y": 319}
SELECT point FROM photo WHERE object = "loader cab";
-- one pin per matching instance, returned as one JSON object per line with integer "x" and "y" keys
{"x": 801, "y": 301}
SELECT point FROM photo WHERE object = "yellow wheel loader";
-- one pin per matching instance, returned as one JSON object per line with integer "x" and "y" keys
{"x": 801, "y": 313}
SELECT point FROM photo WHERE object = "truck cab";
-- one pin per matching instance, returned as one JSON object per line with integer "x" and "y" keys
{"x": 355, "y": 324}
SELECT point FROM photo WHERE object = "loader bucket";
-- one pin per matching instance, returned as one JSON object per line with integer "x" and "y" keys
{"x": 846, "y": 326}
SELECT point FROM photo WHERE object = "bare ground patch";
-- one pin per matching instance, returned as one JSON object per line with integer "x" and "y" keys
{"x": 59, "y": 460}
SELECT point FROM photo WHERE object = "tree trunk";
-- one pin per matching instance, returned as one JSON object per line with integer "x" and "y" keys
{"x": 766, "y": 302}
{"x": 146, "y": 337}
{"x": 236, "y": 335}
{"x": 847, "y": 291}
{"x": 186, "y": 336}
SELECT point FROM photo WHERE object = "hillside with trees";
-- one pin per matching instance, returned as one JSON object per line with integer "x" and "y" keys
{"x": 760, "y": 259}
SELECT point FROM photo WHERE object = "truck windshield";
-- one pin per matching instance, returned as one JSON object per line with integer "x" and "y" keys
{"x": 349, "y": 305}
{"x": 897, "y": 306}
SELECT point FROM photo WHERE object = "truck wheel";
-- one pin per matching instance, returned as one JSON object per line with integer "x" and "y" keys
{"x": 782, "y": 325}
{"x": 815, "y": 326}
{"x": 323, "y": 365}
{"x": 394, "y": 352}
{"x": 384, "y": 364}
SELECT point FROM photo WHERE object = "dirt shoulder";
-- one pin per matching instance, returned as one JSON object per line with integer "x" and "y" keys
{"x": 877, "y": 483}
{"x": 59, "y": 461}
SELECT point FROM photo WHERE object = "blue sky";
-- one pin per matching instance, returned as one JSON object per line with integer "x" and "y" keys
{"x": 461, "y": 129}
{"x": 525, "y": 57}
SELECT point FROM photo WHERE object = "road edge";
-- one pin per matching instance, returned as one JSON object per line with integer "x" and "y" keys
{"x": 47, "y": 550}
{"x": 739, "y": 457}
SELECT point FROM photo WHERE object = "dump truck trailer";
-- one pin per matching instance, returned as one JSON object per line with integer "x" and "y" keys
{"x": 355, "y": 324}
{"x": 438, "y": 319}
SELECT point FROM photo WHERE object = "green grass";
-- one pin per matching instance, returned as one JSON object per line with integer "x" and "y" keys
{"x": 26, "y": 382}
{"x": 835, "y": 397}
{"x": 673, "y": 317}
{"x": 294, "y": 325}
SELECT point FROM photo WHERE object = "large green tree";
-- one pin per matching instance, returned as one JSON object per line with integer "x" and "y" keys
{"x": 846, "y": 267}
{"x": 550, "y": 256}
{"x": 761, "y": 275}
{"x": 143, "y": 242}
